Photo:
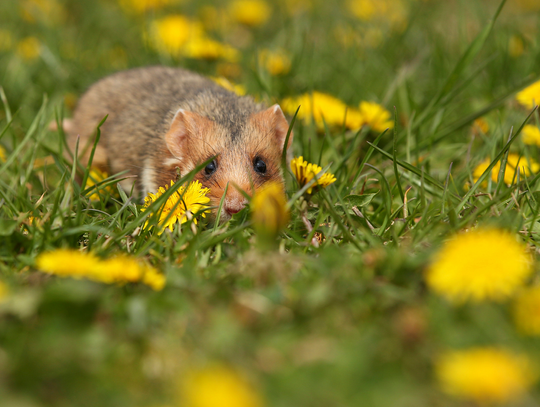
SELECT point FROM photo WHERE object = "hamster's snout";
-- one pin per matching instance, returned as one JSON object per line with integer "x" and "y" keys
{"x": 234, "y": 201}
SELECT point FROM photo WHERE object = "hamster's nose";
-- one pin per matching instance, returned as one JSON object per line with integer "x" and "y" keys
{"x": 232, "y": 211}
{"x": 234, "y": 207}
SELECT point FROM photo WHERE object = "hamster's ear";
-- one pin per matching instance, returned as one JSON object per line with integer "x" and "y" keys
{"x": 274, "y": 119}
{"x": 183, "y": 125}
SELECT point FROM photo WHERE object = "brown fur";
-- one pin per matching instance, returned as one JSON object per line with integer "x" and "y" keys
{"x": 162, "y": 118}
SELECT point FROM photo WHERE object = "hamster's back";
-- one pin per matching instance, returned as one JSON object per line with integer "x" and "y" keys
{"x": 138, "y": 103}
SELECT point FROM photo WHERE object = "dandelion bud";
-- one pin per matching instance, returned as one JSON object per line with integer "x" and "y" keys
{"x": 269, "y": 211}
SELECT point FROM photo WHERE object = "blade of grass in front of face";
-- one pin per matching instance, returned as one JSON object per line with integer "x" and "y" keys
{"x": 220, "y": 207}
{"x": 150, "y": 212}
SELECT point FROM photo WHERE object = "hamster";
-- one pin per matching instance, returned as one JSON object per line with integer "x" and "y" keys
{"x": 163, "y": 119}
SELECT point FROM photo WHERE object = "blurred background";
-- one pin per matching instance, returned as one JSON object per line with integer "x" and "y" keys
{"x": 355, "y": 50}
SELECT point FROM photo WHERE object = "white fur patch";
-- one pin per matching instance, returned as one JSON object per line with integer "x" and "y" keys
{"x": 148, "y": 177}
{"x": 171, "y": 161}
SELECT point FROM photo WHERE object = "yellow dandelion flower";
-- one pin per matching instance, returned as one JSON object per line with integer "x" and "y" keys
{"x": 276, "y": 62}
{"x": 218, "y": 386}
{"x": 250, "y": 12}
{"x": 3, "y": 155}
{"x": 95, "y": 176}
{"x": 193, "y": 200}
{"x": 170, "y": 34}
{"x": 483, "y": 264}
{"x": 205, "y": 48}
{"x": 117, "y": 270}
{"x": 485, "y": 375}
{"x": 177, "y": 35}
{"x": 531, "y": 135}
{"x": 68, "y": 263}
{"x": 376, "y": 116}
{"x": 269, "y": 209}
{"x": 29, "y": 48}
{"x": 393, "y": 12}
{"x": 318, "y": 107}
{"x": 527, "y": 311}
{"x": 153, "y": 278}
{"x": 233, "y": 87}
{"x": 4, "y": 291}
{"x": 33, "y": 221}
{"x": 305, "y": 172}
{"x": 481, "y": 124}
{"x": 6, "y": 40}
{"x": 530, "y": 96}
{"x": 354, "y": 119}
{"x": 142, "y": 6}
{"x": 363, "y": 9}
{"x": 122, "y": 269}
{"x": 514, "y": 161}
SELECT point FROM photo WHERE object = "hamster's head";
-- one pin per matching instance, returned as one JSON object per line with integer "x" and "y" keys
{"x": 245, "y": 154}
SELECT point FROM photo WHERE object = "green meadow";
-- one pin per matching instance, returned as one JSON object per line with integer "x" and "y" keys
{"x": 411, "y": 280}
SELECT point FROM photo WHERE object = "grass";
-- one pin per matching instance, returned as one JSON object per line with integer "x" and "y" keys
{"x": 350, "y": 322}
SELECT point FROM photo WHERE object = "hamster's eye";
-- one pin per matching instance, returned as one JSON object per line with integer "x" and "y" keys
{"x": 259, "y": 165}
{"x": 210, "y": 168}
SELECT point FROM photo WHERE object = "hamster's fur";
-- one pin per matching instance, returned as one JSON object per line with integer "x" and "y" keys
{"x": 161, "y": 119}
